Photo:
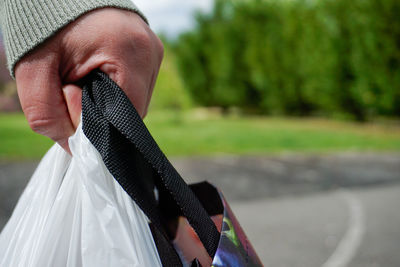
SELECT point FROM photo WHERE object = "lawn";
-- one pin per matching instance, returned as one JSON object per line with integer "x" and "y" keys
{"x": 199, "y": 132}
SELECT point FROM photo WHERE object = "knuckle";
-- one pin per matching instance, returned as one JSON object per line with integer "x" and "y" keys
{"x": 37, "y": 121}
{"x": 142, "y": 40}
{"x": 38, "y": 125}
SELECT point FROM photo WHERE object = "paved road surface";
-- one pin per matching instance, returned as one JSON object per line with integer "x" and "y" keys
{"x": 306, "y": 231}
{"x": 329, "y": 211}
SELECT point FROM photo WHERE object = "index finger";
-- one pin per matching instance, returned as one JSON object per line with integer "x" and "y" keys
{"x": 40, "y": 93}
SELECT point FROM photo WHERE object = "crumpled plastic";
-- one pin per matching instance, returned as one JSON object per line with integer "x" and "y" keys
{"x": 73, "y": 213}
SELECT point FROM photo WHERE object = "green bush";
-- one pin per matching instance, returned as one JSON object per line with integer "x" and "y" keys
{"x": 299, "y": 57}
{"x": 169, "y": 92}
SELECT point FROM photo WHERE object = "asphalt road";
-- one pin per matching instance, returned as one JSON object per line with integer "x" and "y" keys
{"x": 359, "y": 227}
{"x": 330, "y": 211}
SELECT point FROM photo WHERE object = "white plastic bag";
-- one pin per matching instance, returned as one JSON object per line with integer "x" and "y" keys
{"x": 73, "y": 213}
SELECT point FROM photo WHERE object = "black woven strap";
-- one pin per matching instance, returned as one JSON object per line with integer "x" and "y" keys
{"x": 130, "y": 153}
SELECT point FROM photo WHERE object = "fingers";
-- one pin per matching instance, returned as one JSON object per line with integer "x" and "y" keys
{"x": 73, "y": 98}
{"x": 122, "y": 45}
{"x": 41, "y": 97}
{"x": 135, "y": 68}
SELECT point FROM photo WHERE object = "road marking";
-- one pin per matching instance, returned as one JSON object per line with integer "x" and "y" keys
{"x": 351, "y": 241}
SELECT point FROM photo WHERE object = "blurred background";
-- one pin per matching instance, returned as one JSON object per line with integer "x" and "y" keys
{"x": 292, "y": 107}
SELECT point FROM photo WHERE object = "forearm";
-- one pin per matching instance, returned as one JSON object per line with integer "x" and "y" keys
{"x": 26, "y": 24}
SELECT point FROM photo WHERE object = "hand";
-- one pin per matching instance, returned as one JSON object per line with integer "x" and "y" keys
{"x": 116, "y": 41}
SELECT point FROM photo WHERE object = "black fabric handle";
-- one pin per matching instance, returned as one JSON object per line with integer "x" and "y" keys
{"x": 114, "y": 127}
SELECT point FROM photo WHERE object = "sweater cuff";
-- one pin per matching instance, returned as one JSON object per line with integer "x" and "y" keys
{"x": 26, "y": 24}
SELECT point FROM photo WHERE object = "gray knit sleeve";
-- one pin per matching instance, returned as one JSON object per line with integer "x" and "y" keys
{"x": 27, "y": 23}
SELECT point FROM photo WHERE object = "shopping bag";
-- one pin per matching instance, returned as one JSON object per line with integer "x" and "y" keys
{"x": 234, "y": 249}
{"x": 73, "y": 213}
{"x": 190, "y": 225}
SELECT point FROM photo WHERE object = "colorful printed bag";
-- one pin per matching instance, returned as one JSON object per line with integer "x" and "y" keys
{"x": 234, "y": 249}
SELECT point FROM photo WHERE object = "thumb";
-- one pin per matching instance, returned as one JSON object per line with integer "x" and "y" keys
{"x": 73, "y": 98}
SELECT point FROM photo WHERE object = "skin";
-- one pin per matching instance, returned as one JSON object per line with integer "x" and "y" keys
{"x": 116, "y": 41}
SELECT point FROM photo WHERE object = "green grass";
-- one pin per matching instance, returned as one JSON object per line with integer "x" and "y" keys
{"x": 18, "y": 141}
{"x": 262, "y": 135}
{"x": 204, "y": 133}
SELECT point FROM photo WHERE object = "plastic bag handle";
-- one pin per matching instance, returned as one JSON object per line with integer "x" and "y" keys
{"x": 111, "y": 123}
